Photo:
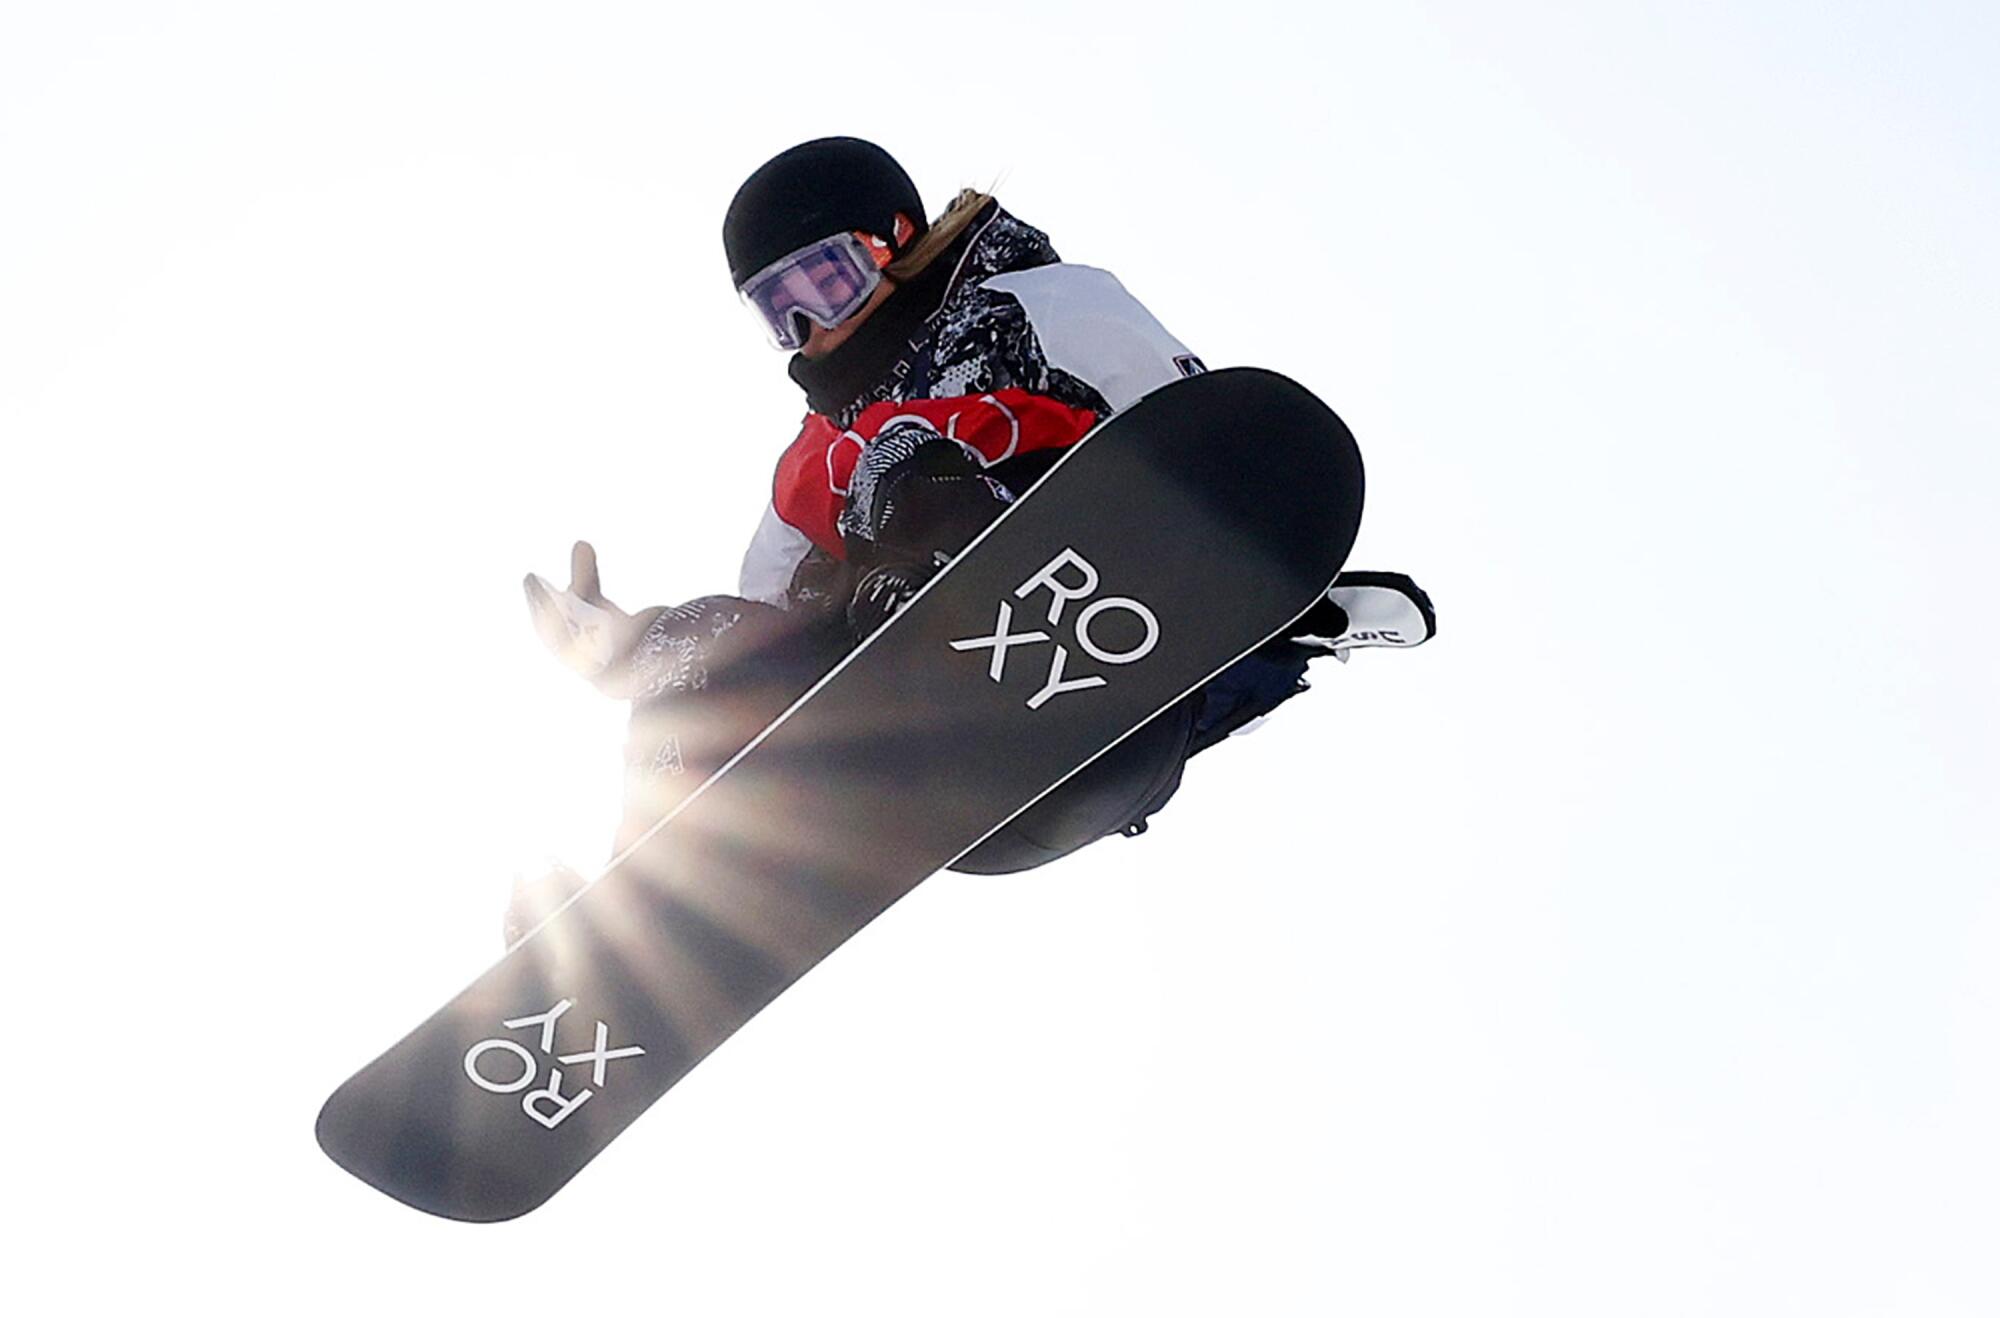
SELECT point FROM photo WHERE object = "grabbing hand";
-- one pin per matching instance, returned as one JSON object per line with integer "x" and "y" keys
{"x": 586, "y": 631}
{"x": 884, "y": 589}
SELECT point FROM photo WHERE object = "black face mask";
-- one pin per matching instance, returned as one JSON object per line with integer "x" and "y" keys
{"x": 877, "y": 356}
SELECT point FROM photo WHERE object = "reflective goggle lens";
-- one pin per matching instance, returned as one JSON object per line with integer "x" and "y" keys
{"x": 826, "y": 282}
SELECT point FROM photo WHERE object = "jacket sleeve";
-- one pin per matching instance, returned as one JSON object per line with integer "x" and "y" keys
{"x": 774, "y": 556}
{"x": 1088, "y": 327}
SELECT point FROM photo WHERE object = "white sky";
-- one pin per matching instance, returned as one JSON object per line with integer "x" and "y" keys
{"x": 1634, "y": 949}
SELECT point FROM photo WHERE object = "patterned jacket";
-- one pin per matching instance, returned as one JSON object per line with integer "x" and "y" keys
{"x": 999, "y": 345}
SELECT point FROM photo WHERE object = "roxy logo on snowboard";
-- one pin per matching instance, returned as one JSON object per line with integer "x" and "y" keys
{"x": 504, "y": 1066}
{"x": 1112, "y": 630}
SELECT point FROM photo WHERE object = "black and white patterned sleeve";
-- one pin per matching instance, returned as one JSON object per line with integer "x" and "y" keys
{"x": 1079, "y": 328}
{"x": 987, "y": 342}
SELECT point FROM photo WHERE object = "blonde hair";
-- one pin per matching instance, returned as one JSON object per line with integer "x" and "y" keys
{"x": 944, "y": 231}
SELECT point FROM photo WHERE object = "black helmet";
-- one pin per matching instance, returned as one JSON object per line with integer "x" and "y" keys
{"x": 815, "y": 190}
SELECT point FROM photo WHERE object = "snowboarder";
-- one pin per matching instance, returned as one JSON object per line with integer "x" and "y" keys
{"x": 947, "y": 364}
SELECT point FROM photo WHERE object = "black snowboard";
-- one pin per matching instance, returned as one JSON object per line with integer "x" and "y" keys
{"x": 1168, "y": 543}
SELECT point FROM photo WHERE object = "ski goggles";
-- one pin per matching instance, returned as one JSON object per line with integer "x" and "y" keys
{"x": 825, "y": 282}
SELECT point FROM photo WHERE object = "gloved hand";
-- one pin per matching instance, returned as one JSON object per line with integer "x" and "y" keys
{"x": 884, "y": 589}
{"x": 915, "y": 492}
{"x": 589, "y": 633}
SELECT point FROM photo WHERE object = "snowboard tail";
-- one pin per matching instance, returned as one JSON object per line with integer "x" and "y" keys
{"x": 1168, "y": 543}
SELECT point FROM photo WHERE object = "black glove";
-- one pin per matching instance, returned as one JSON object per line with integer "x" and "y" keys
{"x": 883, "y": 591}
{"x": 916, "y": 492}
